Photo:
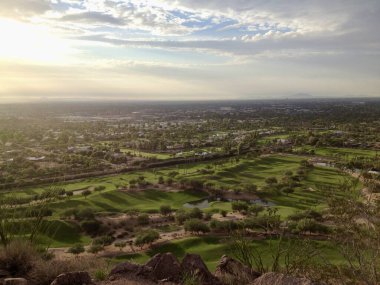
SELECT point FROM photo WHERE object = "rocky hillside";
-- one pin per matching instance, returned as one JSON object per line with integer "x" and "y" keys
{"x": 167, "y": 269}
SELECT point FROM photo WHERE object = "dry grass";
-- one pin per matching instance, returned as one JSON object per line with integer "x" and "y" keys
{"x": 44, "y": 272}
{"x": 18, "y": 258}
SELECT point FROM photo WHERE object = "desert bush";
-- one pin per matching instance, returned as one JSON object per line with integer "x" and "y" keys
{"x": 85, "y": 214}
{"x": 103, "y": 240}
{"x": 100, "y": 275}
{"x": 90, "y": 227}
{"x": 147, "y": 237}
{"x": 165, "y": 210}
{"x": 43, "y": 272}
{"x": 95, "y": 248}
{"x": 196, "y": 226}
{"x": 143, "y": 219}
{"x": 18, "y": 257}
{"x": 76, "y": 249}
{"x": 239, "y": 206}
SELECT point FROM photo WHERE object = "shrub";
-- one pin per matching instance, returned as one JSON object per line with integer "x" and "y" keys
{"x": 183, "y": 215}
{"x": 287, "y": 190}
{"x": 312, "y": 214}
{"x": 43, "y": 273}
{"x": 255, "y": 209}
{"x": 86, "y": 193}
{"x": 85, "y": 214}
{"x": 18, "y": 257}
{"x": 223, "y": 213}
{"x": 100, "y": 188}
{"x": 147, "y": 237}
{"x": 76, "y": 249}
{"x": 239, "y": 206}
{"x": 121, "y": 244}
{"x": 103, "y": 240}
{"x": 271, "y": 180}
{"x": 143, "y": 219}
{"x": 196, "y": 213}
{"x": 250, "y": 188}
{"x": 90, "y": 227}
{"x": 196, "y": 225}
{"x": 165, "y": 210}
{"x": 223, "y": 226}
{"x": 70, "y": 213}
{"x": 95, "y": 248}
{"x": 100, "y": 275}
{"x": 161, "y": 180}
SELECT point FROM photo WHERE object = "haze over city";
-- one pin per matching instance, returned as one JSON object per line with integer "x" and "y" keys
{"x": 188, "y": 50}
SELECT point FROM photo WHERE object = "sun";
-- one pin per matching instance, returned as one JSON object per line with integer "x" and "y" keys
{"x": 26, "y": 42}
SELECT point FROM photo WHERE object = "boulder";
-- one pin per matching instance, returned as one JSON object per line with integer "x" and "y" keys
{"x": 193, "y": 265}
{"x": 73, "y": 278}
{"x": 154, "y": 260}
{"x": 128, "y": 269}
{"x": 124, "y": 268}
{"x": 231, "y": 269}
{"x": 15, "y": 281}
{"x": 165, "y": 267}
{"x": 273, "y": 278}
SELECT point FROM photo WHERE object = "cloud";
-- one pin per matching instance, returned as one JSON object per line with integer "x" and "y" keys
{"x": 93, "y": 17}
{"x": 23, "y": 8}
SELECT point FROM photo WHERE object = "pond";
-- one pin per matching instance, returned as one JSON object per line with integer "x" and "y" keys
{"x": 205, "y": 203}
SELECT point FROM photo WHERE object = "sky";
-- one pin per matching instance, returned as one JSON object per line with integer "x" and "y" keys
{"x": 188, "y": 49}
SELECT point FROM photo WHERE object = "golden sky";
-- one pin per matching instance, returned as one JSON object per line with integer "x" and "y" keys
{"x": 183, "y": 50}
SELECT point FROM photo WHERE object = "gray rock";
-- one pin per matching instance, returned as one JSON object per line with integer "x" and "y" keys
{"x": 273, "y": 278}
{"x": 73, "y": 278}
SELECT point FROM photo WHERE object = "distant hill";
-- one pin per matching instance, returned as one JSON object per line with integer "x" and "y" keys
{"x": 301, "y": 96}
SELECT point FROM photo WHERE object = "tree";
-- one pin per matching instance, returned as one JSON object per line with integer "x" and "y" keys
{"x": 239, "y": 206}
{"x": 121, "y": 245}
{"x": 250, "y": 188}
{"x": 91, "y": 227}
{"x": 76, "y": 249}
{"x": 271, "y": 181}
{"x": 86, "y": 193}
{"x": 147, "y": 237}
{"x": 287, "y": 190}
{"x": 288, "y": 173}
{"x": 143, "y": 219}
{"x": 95, "y": 248}
{"x": 256, "y": 209}
{"x": 196, "y": 226}
{"x": 165, "y": 210}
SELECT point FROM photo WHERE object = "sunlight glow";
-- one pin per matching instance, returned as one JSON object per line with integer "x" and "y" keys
{"x": 31, "y": 43}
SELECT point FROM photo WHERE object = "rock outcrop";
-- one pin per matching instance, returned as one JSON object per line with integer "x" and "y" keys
{"x": 165, "y": 267}
{"x": 273, "y": 278}
{"x": 193, "y": 265}
{"x": 161, "y": 267}
{"x": 15, "y": 281}
{"x": 73, "y": 278}
{"x": 231, "y": 269}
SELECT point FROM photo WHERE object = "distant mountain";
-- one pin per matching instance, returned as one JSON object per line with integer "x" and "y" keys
{"x": 301, "y": 95}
